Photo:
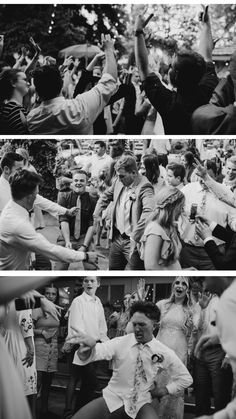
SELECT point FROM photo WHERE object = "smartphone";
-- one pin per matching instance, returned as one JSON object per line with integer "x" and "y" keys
{"x": 193, "y": 213}
{"x": 20, "y": 304}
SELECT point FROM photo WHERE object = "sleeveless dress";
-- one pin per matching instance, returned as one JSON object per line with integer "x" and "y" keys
{"x": 153, "y": 228}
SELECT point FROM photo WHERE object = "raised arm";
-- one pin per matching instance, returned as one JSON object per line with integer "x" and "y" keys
{"x": 140, "y": 49}
{"x": 98, "y": 57}
{"x": 206, "y": 44}
{"x": 110, "y": 63}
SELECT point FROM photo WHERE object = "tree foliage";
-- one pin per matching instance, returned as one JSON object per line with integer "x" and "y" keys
{"x": 42, "y": 156}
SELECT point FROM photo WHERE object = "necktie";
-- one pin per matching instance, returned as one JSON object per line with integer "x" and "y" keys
{"x": 139, "y": 378}
{"x": 77, "y": 228}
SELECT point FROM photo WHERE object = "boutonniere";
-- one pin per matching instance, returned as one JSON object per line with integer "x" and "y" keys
{"x": 157, "y": 359}
{"x": 132, "y": 197}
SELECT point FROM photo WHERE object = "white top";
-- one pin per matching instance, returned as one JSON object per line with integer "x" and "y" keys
{"x": 212, "y": 209}
{"x": 207, "y": 317}
{"x": 161, "y": 145}
{"x": 18, "y": 238}
{"x": 87, "y": 314}
{"x": 97, "y": 163}
{"x": 72, "y": 116}
{"x": 226, "y": 314}
{"x": 123, "y": 351}
{"x": 43, "y": 203}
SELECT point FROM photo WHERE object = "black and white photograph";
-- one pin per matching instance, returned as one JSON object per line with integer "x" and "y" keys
{"x": 125, "y": 347}
{"x": 118, "y": 204}
{"x": 107, "y": 69}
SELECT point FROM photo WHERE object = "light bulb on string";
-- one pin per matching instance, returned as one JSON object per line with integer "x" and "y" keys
{"x": 52, "y": 22}
{"x": 53, "y": 14}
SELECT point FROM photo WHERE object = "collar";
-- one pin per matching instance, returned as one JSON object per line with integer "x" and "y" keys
{"x": 89, "y": 298}
{"x": 4, "y": 180}
{"x": 135, "y": 343}
{"x": 19, "y": 209}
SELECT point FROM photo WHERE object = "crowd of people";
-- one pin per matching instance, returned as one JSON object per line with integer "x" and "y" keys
{"x": 156, "y": 210}
{"x": 153, "y": 352}
{"x": 44, "y": 97}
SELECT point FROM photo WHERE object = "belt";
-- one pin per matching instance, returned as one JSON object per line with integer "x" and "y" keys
{"x": 124, "y": 236}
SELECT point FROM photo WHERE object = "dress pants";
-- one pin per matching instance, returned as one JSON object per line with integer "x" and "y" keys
{"x": 76, "y": 244}
{"x": 119, "y": 256}
{"x": 210, "y": 380}
{"x": 97, "y": 409}
{"x": 197, "y": 257}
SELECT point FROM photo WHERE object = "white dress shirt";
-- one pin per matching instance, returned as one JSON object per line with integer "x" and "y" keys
{"x": 40, "y": 202}
{"x": 123, "y": 207}
{"x": 18, "y": 239}
{"x": 87, "y": 314}
{"x": 161, "y": 145}
{"x": 213, "y": 209}
{"x": 72, "y": 116}
{"x": 123, "y": 351}
{"x": 97, "y": 163}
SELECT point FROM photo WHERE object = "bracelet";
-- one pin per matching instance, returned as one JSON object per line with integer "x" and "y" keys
{"x": 86, "y": 247}
{"x": 138, "y": 32}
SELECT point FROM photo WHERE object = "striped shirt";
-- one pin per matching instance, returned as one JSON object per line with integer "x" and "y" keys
{"x": 11, "y": 119}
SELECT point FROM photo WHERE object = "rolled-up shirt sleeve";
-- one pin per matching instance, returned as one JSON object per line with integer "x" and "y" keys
{"x": 51, "y": 207}
{"x": 97, "y": 98}
{"x": 102, "y": 351}
{"x": 26, "y": 236}
{"x": 180, "y": 377}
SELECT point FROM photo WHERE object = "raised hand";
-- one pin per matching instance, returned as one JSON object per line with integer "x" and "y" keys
{"x": 202, "y": 230}
{"x": 204, "y": 299}
{"x": 201, "y": 171}
{"x": 107, "y": 42}
{"x": 204, "y": 16}
{"x": 142, "y": 293}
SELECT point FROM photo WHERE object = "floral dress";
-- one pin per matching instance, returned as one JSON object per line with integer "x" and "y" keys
{"x": 20, "y": 326}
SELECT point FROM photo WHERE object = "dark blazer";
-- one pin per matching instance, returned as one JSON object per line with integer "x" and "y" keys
{"x": 227, "y": 261}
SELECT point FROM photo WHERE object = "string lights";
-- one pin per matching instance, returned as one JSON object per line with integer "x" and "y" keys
{"x": 52, "y": 19}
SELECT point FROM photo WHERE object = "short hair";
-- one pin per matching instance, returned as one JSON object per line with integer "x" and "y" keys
{"x": 48, "y": 82}
{"x": 23, "y": 183}
{"x": 80, "y": 172}
{"x": 9, "y": 159}
{"x": 101, "y": 143}
{"x": 128, "y": 163}
{"x": 8, "y": 77}
{"x": 148, "y": 308}
{"x": 177, "y": 169}
{"x": 98, "y": 278}
{"x": 188, "y": 69}
{"x": 211, "y": 165}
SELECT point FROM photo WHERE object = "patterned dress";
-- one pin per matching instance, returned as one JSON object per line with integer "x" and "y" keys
{"x": 19, "y": 327}
{"x": 46, "y": 352}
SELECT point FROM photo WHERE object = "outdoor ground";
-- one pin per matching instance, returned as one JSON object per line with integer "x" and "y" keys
{"x": 51, "y": 232}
